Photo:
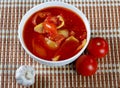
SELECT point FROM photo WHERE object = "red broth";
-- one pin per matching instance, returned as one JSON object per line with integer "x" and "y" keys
{"x": 67, "y": 46}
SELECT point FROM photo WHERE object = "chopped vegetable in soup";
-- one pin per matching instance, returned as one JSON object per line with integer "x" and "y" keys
{"x": 54, "y": 33}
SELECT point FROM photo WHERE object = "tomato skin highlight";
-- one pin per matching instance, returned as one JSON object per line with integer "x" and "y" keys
{"x": 50, "y": 28}
{"x": 86, "y": 65}
{"x": 98, "y": 47}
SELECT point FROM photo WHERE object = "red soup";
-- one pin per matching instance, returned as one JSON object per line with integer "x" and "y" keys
{"x": 54, "y": 33}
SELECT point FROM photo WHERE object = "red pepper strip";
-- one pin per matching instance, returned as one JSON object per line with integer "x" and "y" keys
{"x": 34, "y": 19}
{"x": 52, "y": 19}
{"x": 42, "y": 15}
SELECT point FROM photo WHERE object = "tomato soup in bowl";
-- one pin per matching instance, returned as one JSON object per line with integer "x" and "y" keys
{"x": 54, "y": 33}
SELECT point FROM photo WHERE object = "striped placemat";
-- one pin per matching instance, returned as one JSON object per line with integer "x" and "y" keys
{"x": 104, "y": 18}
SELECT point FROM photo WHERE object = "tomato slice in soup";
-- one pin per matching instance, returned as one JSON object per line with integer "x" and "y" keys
{"x": 38, "y": 48}
{"x": 66, "y": 51}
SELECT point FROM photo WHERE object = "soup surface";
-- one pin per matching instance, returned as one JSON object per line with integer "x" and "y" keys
{"x": 54, "y": 33}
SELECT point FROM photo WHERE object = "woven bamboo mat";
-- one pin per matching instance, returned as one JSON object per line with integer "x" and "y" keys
{"x": 104, "y": 18}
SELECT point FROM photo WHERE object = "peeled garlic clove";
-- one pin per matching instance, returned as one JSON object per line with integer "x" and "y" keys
{"x": 25, "y": 75}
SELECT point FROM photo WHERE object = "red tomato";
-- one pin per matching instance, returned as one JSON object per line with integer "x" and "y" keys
{"x": 50, "y": 28}
{"x": 98, "y": 47}
{"x": 86, "y": 65}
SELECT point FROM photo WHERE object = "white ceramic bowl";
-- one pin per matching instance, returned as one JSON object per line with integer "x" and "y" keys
{"x": 52, "y": 4}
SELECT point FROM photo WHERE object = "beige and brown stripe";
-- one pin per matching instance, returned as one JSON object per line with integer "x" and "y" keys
{"x": 104, "y": 18}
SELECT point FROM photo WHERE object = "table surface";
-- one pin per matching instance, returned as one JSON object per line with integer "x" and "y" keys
{"x": 104, "y": 18}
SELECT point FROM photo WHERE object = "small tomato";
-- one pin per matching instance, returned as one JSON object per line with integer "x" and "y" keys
{"x": 86, "y": 65}
{"x": 98, "y": 47}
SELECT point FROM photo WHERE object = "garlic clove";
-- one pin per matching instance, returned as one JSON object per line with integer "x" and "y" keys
{"x": 25, "y": 75}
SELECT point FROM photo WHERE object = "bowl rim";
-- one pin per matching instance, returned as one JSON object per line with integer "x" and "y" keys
{"x": 46, "y": 5}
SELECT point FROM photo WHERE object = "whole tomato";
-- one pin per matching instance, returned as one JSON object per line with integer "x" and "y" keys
{"x": 98, "y": 47}
{"x": 86, "y": 65}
